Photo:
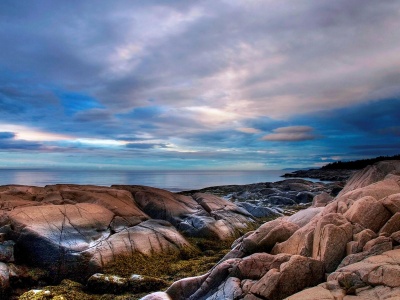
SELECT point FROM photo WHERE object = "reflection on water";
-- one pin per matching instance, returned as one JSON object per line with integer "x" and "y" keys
{"x": 170, "y": 180}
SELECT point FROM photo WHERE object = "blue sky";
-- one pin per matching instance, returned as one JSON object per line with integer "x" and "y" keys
{"x": 198, "y": 84}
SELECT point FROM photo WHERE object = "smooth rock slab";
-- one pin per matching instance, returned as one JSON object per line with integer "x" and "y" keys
{"x": 152, "y": 237}
{"x": 53, "y": 236}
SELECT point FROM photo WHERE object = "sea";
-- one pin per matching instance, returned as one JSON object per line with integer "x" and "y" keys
{"x": 175, "y": 181}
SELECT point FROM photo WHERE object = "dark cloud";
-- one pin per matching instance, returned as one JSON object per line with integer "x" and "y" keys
{"x": 145, "y": 146}
{"x": 6, "y": 135}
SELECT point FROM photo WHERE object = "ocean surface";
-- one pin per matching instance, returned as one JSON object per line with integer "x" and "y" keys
{"x": 169, "y": 180}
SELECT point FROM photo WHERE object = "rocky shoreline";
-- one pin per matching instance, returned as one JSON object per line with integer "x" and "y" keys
{"x": 321, "y": 174}
{"x": 92, "y": 242}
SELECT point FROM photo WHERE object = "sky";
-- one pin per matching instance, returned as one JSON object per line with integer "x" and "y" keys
{"x": 227, "y": 85}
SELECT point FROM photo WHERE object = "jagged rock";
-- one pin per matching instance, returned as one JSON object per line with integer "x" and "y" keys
{"x": 369, "y": 213}
{"x": 230, "y": 289}
{"x": 360, "y": 239}
{"x": 257, "y": 265}
{"x": 392, "y": 203}
{"x": 373, "y": 247}
{"x": 391, "y": 226}
{"x": 382, "y": 269}
{"x": 301, "y": 242}
{"x": 267, "y": 235}
{"x": 292, "y": 276}
{"x": 332, "y": 233}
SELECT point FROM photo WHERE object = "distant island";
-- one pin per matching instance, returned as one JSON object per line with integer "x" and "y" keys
{"x": 339, "y": 170}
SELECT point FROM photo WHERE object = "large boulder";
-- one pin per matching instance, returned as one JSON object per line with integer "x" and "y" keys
{"x": 371, "y": 174}
{"x": 332, "y": 233}
{"x": 292, "y": 276}
{"x": 369, "y": 213}
{"x": 267, "y": 235}
{"x": 77, "y": 240}
{"x": 152, "y": 237}
{"x": 52, "y": 236}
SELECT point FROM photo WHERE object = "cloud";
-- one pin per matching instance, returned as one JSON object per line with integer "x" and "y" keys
{"x": 6, "y": 135}
{"x": 145, "y": 146}
{"x": 248, "y": 130}
{"x": 291, "y": 134}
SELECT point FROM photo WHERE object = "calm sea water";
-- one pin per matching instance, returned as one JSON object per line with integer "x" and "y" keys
{"x": 169, "y": 180}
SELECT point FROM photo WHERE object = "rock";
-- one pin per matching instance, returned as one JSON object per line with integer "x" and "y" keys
{"x": 52, "y": 236}
{"x": 382, "y": 269}
{"x": 7, "y": 251}
{"x": 378, "y": 190}
{"x": 331, "y": 236}
{"x": 300, "y": 242}
{"x": 107, "y": 284}
{"x": 201, "y": 215}
{"x": 267, "y": 235}
{"x": 391, "y": 226}
{"x": 369, "y": 213}
{"x": 292, "y": 276}
{"x": 258, "y": 211}
{"x": 379, "y": 242}
{"x": 302, "y": 217}
{"x": 321, "y": 200}
{"x": 392, "y": 203}
{"x": 314, "y": 293}
{"x": 304, "y": 197}
{"x": 4, "y": 280}
{"x": 230, "y": 289}
{"x": 280, "y": 200}
{"x": 157, "y": 296}
{"x": 184, "y": 288}
{"x": 257, "y": 265}
{"x": 120, "y": 202}
{"x": 152, "y": 237}
{"x": 373, "y": 247}
{"x": 110, "y": 284}
{"x": 371, "y": 174}
{"x": 362, "y": 238}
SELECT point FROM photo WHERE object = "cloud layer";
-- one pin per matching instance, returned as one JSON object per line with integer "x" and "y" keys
{"x": 189, "y": 84}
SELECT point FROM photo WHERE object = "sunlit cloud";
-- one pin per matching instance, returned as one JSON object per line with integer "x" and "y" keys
{"x": 291, "y": 134}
